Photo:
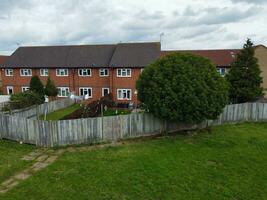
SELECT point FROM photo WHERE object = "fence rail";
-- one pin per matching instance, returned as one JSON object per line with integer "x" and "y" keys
{"x": 67, "y": 132}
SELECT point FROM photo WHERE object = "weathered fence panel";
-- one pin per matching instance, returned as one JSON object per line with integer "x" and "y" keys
{"x": 69, "y": 132}
{"x": 34, "y": 111}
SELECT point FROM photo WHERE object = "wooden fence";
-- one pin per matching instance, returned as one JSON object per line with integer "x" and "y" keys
{"x": 34, "y": 111}
{"x": 68, "y": 132}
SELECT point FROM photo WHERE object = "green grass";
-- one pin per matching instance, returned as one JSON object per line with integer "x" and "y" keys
{"x": 230, "y": 162}
{"x": 59, "y": 114}
{"x": 10, "y": 158}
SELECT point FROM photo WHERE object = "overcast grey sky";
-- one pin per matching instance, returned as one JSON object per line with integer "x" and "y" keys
{"x": 191, "y": 24}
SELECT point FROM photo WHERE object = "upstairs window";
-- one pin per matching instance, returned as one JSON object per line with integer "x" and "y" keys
{"x": 43, "y": 72}
{"x": 221, "y": 71}
{"x": 26, "y": 72}
{"x": 103, "y": 72}
{"x": 9, "y": 72}
{"x": 62, "y": 72}
{"x": 84, "y": 72}
{"x": 123, "y": 72}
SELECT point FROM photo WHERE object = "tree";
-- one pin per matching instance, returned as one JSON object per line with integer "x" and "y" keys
{"x": 244, "y": 76}
{"x": 50, "y": 88}
{"x": 184, "y": 88}
{"x": 37, "y": 86}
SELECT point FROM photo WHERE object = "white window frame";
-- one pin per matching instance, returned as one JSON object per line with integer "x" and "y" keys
{"x": 219, "y": 70}
{"x": 122, "y": 91}
{"x": 8, "y": 88}
{"x": 142, "y": 69}
{"x": 59, "y": 70}
{"x": 86, "y": 88}
{"x": 106, "y": 88}
{"x": 44, "y": 72}
{"x": 102, "y": 70}
{"x": 124, "y": 70}
{"x": 25, "y": 88}
{"x": 60, "y": 91}
{"x": 25, "y": 72}
{"x": 83, "y": 69}
{"x": 9, "y": 72}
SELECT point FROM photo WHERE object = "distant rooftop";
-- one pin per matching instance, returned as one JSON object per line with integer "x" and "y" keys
{"x": 119, "y": 55}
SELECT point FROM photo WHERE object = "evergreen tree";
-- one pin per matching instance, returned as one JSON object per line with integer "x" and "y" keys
{"x": 37, "y": 86}
{"x": 50, "y": 88}
{"x": 244, "y": 76}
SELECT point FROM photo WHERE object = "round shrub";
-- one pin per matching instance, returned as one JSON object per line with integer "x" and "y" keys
{"x": 184, "y": 88}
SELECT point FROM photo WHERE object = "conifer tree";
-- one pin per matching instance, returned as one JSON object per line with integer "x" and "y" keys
{"x": 50, "y": 88}
{"x": 36, "y": 85}
{"x": 244, "y": 76}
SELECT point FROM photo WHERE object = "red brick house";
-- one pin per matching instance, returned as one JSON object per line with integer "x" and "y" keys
{"x": 2, "y": 61}
{"x": 221, "y": 58}
{"x": 93, "y": 70}
{"x": 96, "y": 70}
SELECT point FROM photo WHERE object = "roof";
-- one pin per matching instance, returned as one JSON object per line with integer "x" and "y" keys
{"x": 135, "y": 54}
{"x": 3, "y": 59}
{"x": 61, "y": 56}
{"x": 221, "y": 57}
{"x": 124, "y": 54}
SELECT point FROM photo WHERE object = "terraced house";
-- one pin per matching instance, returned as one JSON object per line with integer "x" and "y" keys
{"x": 92, "y": 70}
{"x": 96, "y": 70}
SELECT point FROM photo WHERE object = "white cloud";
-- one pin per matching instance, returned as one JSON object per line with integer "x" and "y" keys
{"x": 191, "y": 24}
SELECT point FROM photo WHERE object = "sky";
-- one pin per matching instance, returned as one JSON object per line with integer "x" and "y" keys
{"x": 182, "y": 24}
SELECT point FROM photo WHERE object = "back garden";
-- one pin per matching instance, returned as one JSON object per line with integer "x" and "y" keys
{"x": 226, "y": 162}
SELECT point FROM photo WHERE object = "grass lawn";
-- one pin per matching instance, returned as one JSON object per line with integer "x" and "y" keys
{"x": 230, "y": 162}
{"x": 10, "y": 158}
{"x": 59, "y": 114}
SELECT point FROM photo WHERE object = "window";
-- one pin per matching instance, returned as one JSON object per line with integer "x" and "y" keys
{"x": 105, "y": 91}
{"x": 103, "y": 72}
{"x": 142, "y": 69}
{"x": 44, "y": 72}
{"x": 9, "y": 90}
{"x": 124, "y": 94}
{"x": 25, "y": 72}
{"x": 9, "y": 72}
{"x": 84, "y": 72}
{"x": 25, "y": 88}
{"x": 63, "y": 91}
{"x": 221, "y": 71}
{"x": 62, "y": 72}
{"x": 123, "y": 72}
{"x": 86, "y": 91}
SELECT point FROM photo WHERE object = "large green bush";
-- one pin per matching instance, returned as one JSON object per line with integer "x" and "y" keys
{"x": 25, "y": 99}
{"x": 184, "y": 88}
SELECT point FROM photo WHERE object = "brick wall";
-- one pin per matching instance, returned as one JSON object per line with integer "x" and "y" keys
{"x": 74, "y": 82}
